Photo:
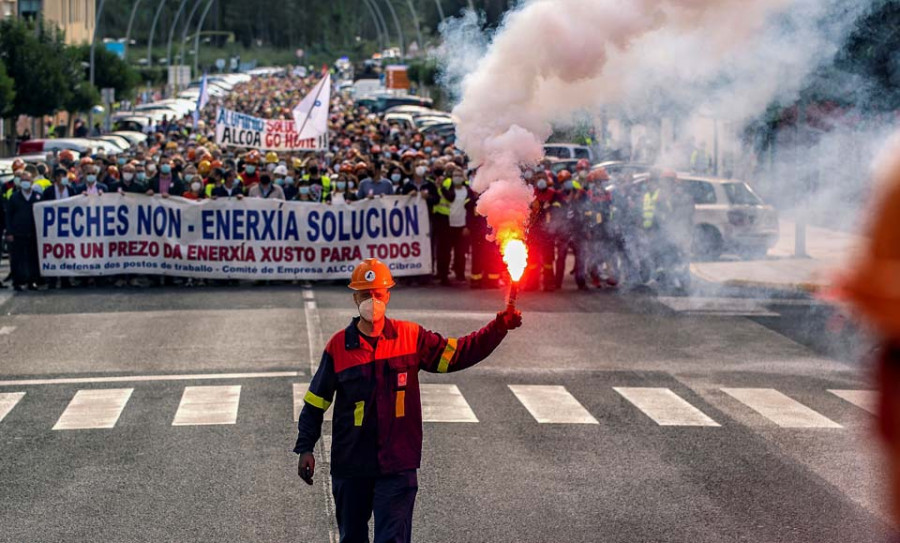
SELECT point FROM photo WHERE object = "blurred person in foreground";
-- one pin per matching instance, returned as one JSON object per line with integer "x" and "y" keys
{"x": 873, "y": 288}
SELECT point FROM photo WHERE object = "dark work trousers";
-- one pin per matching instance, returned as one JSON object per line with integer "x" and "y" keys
{"x": 563, "y": 243}
{"x": 450, "y": 242}
{"x": 23, "y": 261}
{"x": 390, "y": 497}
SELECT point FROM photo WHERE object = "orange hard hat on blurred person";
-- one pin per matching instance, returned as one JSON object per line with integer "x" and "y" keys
{"x": 564, "y": 175}
{"x": 582, "y": 164}
{"x": 600, "y": 174}
{"x": 371, "y": 273}
{"x": 874, "y": 286}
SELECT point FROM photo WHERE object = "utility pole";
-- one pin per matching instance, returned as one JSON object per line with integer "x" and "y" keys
{"x": 93, "y": 46}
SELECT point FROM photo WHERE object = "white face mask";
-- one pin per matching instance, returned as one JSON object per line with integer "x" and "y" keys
{"x": 372, "y": 310}
{"x": 420, "y": 171}
{"x": 195, "y": 186}
{"x": 127, "y": 176}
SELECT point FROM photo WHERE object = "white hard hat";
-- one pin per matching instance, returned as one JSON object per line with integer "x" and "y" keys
{"x": 280, "y": 170}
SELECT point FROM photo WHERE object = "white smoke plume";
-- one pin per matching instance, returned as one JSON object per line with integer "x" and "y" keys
{"x": 552, "y": 58}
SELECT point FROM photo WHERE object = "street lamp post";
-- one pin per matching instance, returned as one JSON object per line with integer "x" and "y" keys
{"x": 197, "y": 35}
{"x": 415, "y": 16}
{"x": 399, "y": 28}
{"x": 378, "y": 34}
{"x": 130, "y": 23}
{"x": 187, "y": 24}
{"x": 172, "y": 32}
{"x": 380, "y": 15}
{"x": 93, "y": 46}
{"x": 440, "y": 9}
{"x": 153, "y": 31}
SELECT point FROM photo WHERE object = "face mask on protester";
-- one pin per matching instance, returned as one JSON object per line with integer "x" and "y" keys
{"x": 196, "y": 186}
{"x": 428, "y": 149}
{"x": 528, "y": 174}
{"x": 25, "y": 185}
{"x": 121, "y": 162}
{"x": 341, "y": 185}
{"x": 420, "y": 171}
{"x": 372, "y": 310}
{"x": 289, "y": 180}
{"x": 17, "y": 181}
{"x": 279, "y": 181}
{"x": 395, "y": 178}
{"x": 251, "y": 169}
{"x": 166, "y": 169}
{"x": 582, "y": 174}
{"x": 127, "y": 176}
{"x": 386, "y": 156}
{"x": 188, "y": 177}
{"x": 541, "y": 184}
{"x": 457, "y": 181}
{"x": 65, "y": 182}
{"x": 141, "y": 176}
{"x": 304, "y": 190}
{"x": 91, "y": 179}
{"x": 351, "y": 185}
{"x": 569, "y": 185}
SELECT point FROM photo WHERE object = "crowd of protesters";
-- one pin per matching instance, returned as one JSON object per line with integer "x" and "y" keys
{"x": 368, "y": 158}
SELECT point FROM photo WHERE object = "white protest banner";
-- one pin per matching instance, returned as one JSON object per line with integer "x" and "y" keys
{"x": 235, "y": 129}
{"x": 253, "y": 238}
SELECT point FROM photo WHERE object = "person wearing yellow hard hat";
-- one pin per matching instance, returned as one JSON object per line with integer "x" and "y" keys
{"x": 873, "y": 289}
{"x": 370, "y": 371}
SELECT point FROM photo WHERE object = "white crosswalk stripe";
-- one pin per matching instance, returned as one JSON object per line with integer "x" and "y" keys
{"x": 8, "y": 400}
{"x": 7, "y": 330}
{"x": 552, "y": 404}
{"x": 665, "y": 407}
{"x": 864, "y": 399}
{"x": 96, "y": 408}
{"x": 202, "y": 405}
{"x": 445, "y": 403}
{"x": 779, "y": 408}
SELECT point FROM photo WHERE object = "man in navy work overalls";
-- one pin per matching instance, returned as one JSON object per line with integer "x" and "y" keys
{"x": 372, "y": 366}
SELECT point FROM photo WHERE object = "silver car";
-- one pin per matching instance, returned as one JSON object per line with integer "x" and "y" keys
{"x": 730, "y": 217}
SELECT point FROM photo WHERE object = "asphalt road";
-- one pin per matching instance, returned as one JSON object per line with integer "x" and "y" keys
{"x": 598, "y": 448}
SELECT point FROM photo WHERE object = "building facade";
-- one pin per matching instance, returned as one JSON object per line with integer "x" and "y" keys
{"x": 74, "y": 17}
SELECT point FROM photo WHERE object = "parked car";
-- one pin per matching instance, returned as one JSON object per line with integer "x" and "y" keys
{"x": 729, "y": 217}
{"x": 133, "y": 137}
{"x": 568, "y": 150}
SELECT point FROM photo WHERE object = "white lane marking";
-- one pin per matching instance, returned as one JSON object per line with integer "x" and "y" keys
{"x": 665, "y": 407}
{"x": 552, "y": 404}
{"x": 98, "y": 408}
{"x": 7, "y": 330}
{"x": 779, "y": 408}
{"x": 308, "y": 294}
{"x": 8, "y": 400}
{"x": 142, "y": 378}
{"x": 864, "y": 399}
{"x": 445, "y": 403}
{"x": 722, "y": 307}
{"x": 314, "y": 331}
{"x": 208, "y": 405}
{"x": 299, "y": 392}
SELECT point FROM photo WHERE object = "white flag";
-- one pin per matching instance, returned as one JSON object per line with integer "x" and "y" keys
{"x": 311, "y": 114}
{"x": 202, "y": 99}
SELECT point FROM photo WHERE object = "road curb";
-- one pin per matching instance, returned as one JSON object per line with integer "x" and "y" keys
{"x": 807, "y": 287}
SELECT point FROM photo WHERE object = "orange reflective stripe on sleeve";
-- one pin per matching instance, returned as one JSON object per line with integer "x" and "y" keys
{"x": 400, "y": 407}
{"x": 447, "y": 356}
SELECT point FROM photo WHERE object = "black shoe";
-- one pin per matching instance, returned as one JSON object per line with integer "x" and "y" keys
{"x": 17, "y": 288}
{"x": 32, "y": 286}
{"x": 445, "y": 282}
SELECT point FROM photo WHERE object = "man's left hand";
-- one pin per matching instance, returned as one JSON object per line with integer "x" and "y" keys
{"x": 509, "y": 318}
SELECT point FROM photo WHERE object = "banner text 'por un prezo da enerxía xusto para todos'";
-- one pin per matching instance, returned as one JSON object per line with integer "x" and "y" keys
{"x": 251, "y": 238}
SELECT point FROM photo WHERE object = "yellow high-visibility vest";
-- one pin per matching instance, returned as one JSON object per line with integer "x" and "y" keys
{"x": 650, "y": 201}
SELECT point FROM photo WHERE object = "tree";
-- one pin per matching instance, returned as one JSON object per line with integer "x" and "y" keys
{"x": 109, "y": 70}
{"x": 7, "y": 91}
{"x": 34, "y": 58}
